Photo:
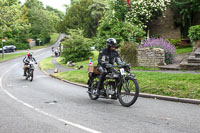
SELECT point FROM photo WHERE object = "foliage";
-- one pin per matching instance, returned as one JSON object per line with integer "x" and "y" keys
{"x": 42, "y": 21}
{"x": 169, "y": 49}
{"x": 194, "y": 33}
{"x": 82, "y": 14}
{"x": 128, "y": 53}
{"x": 76, "y": 48}
{"x": 175, "y": 42}
{"x": 121, "y": 31}
{"x": 142, "y": 11}
{"x": 186, "y": 10}
{"x": 14, "y": 24}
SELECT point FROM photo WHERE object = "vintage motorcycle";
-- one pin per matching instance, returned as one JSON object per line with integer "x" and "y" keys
{"x": 118, "y": 84}
{"x": 29, "y": 71}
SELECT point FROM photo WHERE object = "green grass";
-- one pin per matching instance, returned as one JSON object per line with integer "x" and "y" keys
{"x": 11, "y": 56}
{"x": 145, "y": 68}
{"x": 78, "y": 76}
{"x": 54, "y": 37}
{"x": 47, "y": 63}
{"x": 183, "y": 50}
{"x": 60, "y": 60}
{"x": 168, "y": 84}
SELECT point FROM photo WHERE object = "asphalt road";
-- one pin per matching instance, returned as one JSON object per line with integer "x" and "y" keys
{"x": 48, "y": 105}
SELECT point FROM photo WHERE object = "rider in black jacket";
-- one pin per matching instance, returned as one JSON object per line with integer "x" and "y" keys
{"x": 107, "y": 57}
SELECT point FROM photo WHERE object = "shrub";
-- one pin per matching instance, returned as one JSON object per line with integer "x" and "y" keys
{"x": 128, "y": 53}
{"x": 194, "y": 33}
{"x": 169, "y": 49}
{"x": 19, "y": 45}
{"x": 22, "y": 46}
{"x": 175, "y": 42}
{"x": 121, "y": 31}
{"x": 76, "y": 48}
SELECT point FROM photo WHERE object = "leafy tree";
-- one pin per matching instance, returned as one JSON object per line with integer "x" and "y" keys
{"x": 114, "y": 25}
{"x": 57, "y": 12}
{"x": 14, "y": 24}
{"x": 42, "y": 20}
{"x": 82, "y": 14}
{"x": 185, "y": 10}
{"x": 77, "y": 47}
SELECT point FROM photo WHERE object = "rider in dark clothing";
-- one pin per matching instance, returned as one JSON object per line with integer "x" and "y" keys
{"x": 107, "y": 57}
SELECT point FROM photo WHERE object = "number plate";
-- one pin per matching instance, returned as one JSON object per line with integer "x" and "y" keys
{"x": 122, "y": 71}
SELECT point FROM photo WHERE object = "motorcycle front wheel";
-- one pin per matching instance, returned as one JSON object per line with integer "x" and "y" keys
{"x": 92, "y": 88}
{"x": 27, "y": 74}
{"x": 31, "y": 75}
{"x": 128, "y": 92}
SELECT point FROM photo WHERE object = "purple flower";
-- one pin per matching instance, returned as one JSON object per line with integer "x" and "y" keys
{"x": 169, "y": 49}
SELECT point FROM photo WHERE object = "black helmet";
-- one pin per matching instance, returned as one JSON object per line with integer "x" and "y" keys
{"x": 111, "y": 42}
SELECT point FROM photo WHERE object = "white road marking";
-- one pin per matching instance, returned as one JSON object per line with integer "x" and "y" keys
{"x": 25, "y": 86}
{"x": 40, "y": 111}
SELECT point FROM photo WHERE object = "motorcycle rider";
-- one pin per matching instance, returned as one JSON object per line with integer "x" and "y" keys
{"x": 27, "y": 59}
{"x": 107, "y": 57}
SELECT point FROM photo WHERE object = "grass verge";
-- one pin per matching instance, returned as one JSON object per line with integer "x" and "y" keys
{"x": 183, "y": 50}
{"x": 54, "y": 37}
{"x": 94, "y": 58}
{"x": 47, "y": 63}
{"x": 11, "y": 56}
{"x": 167, "y": 84}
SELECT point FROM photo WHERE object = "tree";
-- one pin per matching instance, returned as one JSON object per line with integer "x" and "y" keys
{"x": 83, "y": 14}
{"x": 185, "y": 11}
{"x": 43, "y": 21}
{"x": 14, "y": 23}
{"x": 77, "y": 47}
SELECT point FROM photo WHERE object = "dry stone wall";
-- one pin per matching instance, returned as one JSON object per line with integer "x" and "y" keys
{"x": 150, "y": 57}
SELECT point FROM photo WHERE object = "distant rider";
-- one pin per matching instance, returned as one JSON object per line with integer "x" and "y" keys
{"x": 27, "y": 59}
{"x": 107, "y": 57}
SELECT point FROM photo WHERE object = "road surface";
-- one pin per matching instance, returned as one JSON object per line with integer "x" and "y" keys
{"x": 48, "y": 105}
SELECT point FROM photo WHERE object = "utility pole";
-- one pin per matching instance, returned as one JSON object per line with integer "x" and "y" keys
{"x": 2, "y": 48}
{"x": 3, "y": 40}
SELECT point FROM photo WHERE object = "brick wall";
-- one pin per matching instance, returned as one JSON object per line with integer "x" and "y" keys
{"x": 150, "y": 57}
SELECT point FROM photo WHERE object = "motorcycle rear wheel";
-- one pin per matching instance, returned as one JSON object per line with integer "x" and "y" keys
{"x": 128, "y": 98}
{"x": 93, "y": 88}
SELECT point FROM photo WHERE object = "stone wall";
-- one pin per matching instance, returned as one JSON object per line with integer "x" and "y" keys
{"x": 164, "y": 26}
{"x": 32, "y": 44}
{"x": 150, "y": 57}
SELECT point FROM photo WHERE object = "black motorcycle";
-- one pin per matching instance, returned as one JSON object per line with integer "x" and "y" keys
{"x": 118, "y": 84}
{"x": 29, "y": 71}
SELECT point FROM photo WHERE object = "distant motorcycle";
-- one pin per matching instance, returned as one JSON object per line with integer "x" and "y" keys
{"x": 118, "y": 84}
{"x": 29, "y": 71}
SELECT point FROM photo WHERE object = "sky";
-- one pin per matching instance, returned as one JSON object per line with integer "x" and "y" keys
{"x": 57, "y": 4}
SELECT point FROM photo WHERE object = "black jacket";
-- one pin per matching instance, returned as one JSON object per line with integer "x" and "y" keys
{"x": 106, "y": 56}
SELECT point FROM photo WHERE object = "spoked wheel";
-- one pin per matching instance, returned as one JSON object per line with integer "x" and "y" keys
{"x": 93, "y": 88}
{"x": 128, "y": 92}
{"x": 31, "y": 75}
{"x": 27, "y": 74}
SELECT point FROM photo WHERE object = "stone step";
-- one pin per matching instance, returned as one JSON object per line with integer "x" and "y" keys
{"x": 197, "y": 53}
{"x": 193, "y": 60}
{"x": 189, "y": 66}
